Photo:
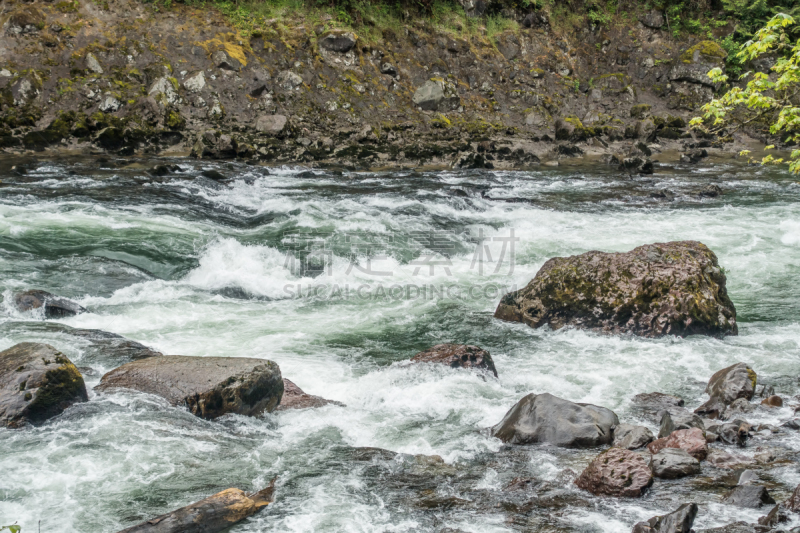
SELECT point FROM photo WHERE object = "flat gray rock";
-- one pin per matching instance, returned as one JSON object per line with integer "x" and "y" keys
{"x": 673, "y": 463}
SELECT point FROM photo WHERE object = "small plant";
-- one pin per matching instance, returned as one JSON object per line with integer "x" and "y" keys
{"x": 11, "y": 529}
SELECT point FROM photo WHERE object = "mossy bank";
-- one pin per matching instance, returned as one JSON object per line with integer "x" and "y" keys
{"x": 124, "y": 78}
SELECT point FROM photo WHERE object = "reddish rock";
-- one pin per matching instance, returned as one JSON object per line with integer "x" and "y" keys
{"x": 692, "y": 440}
{"x": 457, "y": 356}
{"x": 773, "y": 401}
{"x": 295, "y": 398}
{"x": 616, "y": 472}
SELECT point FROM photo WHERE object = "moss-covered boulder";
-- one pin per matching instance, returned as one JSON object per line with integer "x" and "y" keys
{"x": 208, "y": 386}
{"x": 674, "y": 288}
{"x": 37, "y": 382}
{"x": 695, "y": 62}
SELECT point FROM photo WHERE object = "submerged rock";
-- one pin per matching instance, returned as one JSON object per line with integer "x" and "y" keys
{"x": 678, "y": 521}
{"x": 54, "y": 306}
{"x": 793, "y": 503}
{"x": 544, "y": 418}
{"x": 457, "y": 356}
{"x": 632, "y": 437}
{"x": 725, "y": 387}
{"x": 208, "y": 386}
{"x": 748, "y": 495}
{"x": 616, "y": 472}
{"x": 674, "y": 288}
{"x": 215, "y": 513}
{"x": 655, "y": 402}
{"x": 295, "y": 398}
{"x": 37, "y": 382}
{"x": 673, "y": 463}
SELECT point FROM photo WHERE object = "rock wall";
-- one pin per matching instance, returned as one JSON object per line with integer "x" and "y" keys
{"x": 121, "y": 78}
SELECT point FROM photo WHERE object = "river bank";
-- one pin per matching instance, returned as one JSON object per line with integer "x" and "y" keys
{"x": 123, "y": 78}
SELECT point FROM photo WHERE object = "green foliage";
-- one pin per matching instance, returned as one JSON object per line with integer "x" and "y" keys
{"x": 12, "y": 529}
{"x": 762, "y": 100}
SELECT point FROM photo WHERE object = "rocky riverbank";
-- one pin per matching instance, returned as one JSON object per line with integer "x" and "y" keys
{"x": 120, "y": 78}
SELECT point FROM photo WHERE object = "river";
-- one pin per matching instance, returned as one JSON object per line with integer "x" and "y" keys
{"x": 340, "y": 278}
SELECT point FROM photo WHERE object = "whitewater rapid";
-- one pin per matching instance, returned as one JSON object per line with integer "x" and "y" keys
{"x": 188, "y": 267}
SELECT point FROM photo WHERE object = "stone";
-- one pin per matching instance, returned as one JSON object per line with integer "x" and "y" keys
{"x": 673, "y": 463}
{"x": 211, "y": 515}
{"x": 692, "y": 440}
{"x": 616, "y": 472}
{"x": 632, "y": 437}
{"x": 341, "y": 42}
{"x": 544, "y": 418}
{"x": 674, "y": 288}
{"x": 195, "y": 82}
{"x": 163, "y": 91}
{"x": 37, "y": 382}
{"x": 749, "y": 495}
{"x": 725, "y": 386}
{"x": 636, "y": 165}
{"x": 109, "y": 104}
{"x": 777, "y": 515}
{"x": 723, "y": 459}
{"x": 25, "y": 21}
{"x": 694, "y": 63}
{"x": 736, "y": 432}
{"x": 429, "y": 96}
{"x": 388, "y": 68}
{"x": 208, "y": 386}
{"x": 92, "y": 63}
{"x": 225, "y": 61}
{"x": 678, "y": 521}
{"x": 288, "y": 80}
{"x": 694, "y": 156}
{"x": 25, "y": 89}
{"x": 295, "y": 398}
{"x": 678, "y": 419}
{"x": 736, "y": 527}
{"x": 772, "y": 401}
{"x": 652, "y": 19}
{"x": 457, "y": 356}
{"x": 54, "y": 306}
{"x": 711, "y": 191}
{"x": 271, "y": 124}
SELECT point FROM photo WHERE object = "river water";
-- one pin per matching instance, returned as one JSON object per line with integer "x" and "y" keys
{"x": 341, "y": 278}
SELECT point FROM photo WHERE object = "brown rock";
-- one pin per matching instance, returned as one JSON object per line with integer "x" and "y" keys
{"x": 54, "y": 306}
{"x": 692, "y": 440}
{"x": 773, "y": 401}
{"x": 295, "y": 398}
{"x": 674, "y": 288}
{"x": 616, "y": 472}
{"x": 457, "y": 356}
{"x": 793, "y": 503}
{"x": 37, "y": 382}
{"x": 208, "y": 386}
{"x": 215, "y": 513}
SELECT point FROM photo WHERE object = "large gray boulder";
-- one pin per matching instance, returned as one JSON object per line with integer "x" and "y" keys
{"x": 271, "y": 124}
{"x": 725, "y": 387}
{"x": 678, "y": 418}
{"x": 215, "y": 513}
{"x": 694, "y": 64}
{"x": 678, "y": 521}
{"x": 37, "y": 382}
{"x": 673, "y": 463}
{"x": 208, "y": 386}
{"x": 674, "y": 288}
{"x": 544, "y": 418}
{"x": 54, "y": 306}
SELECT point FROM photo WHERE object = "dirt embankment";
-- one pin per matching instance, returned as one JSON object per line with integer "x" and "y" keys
{"x": 121, "y": 78}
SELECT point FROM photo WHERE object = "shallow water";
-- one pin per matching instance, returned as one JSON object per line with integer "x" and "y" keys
{"x": 188, "y": 266}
